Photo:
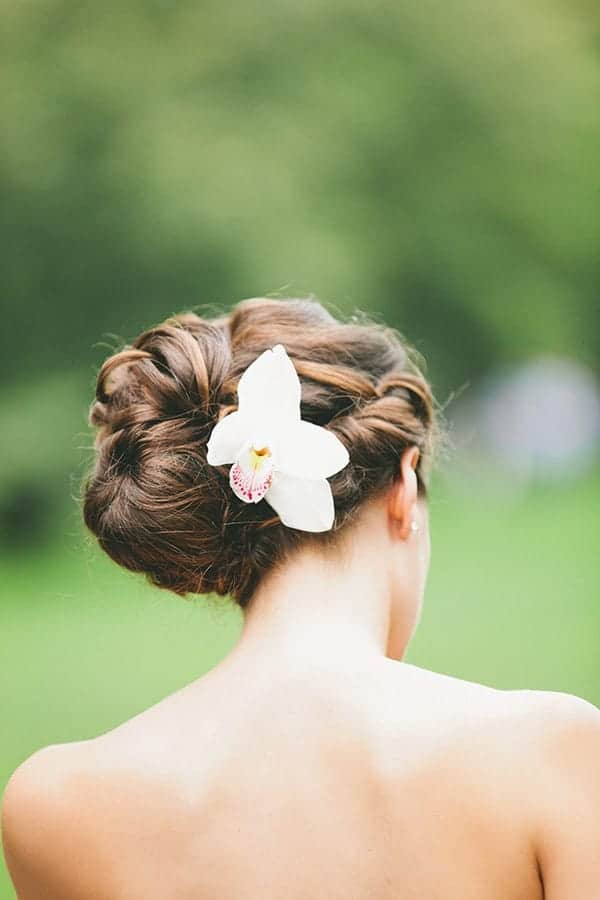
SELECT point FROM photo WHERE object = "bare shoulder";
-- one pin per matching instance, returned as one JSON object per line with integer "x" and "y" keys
{"x": 564, "y": 791}
{"x": 76, "y": 816}
{"x": 548, "y": 744}
{"x": 61, "y": 810}
{"x": 547, "y": 713}
{"x": 534, "y": 732}
{"x": 40, "y": 818}
{"x": 557, "y": 713}
{"x": 565, "y": 732}
{"x": 561, "y": 731}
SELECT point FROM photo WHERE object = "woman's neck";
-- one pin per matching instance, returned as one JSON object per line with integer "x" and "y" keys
{"x": 325, "y": 607}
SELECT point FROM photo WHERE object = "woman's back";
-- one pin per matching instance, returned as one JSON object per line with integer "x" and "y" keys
{"x": 310, "y": 762}
{"x": 386, "y": 782}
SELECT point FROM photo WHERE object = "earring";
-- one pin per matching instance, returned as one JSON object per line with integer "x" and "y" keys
{"x": 414, "y": 525}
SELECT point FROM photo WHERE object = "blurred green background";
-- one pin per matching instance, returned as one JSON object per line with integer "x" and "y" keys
{"x": 432, "y": 164}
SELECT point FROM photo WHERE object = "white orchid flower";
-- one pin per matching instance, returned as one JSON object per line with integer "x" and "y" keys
{"x": 274, "y": 453}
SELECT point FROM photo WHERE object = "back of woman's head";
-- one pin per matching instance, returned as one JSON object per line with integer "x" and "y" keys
{"x": 156, "y": 505}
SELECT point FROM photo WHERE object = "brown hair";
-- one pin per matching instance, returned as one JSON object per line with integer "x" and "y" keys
{"x": 152, "y": 500}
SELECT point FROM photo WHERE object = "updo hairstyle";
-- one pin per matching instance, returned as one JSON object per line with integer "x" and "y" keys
{"x": 152, "y": 500}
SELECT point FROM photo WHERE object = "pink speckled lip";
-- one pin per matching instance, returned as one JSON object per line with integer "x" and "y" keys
{"x": 250, "y": 485}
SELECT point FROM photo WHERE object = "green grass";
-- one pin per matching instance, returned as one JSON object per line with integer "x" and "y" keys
{"x": 512, "y": 601}
{"x": 513, "y": 597}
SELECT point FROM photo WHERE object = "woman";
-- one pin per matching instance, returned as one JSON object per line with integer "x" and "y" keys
{"x": 281, "y": 457}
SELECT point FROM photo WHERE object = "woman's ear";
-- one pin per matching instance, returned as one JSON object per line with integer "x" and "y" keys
{"x": 403, "y": 495}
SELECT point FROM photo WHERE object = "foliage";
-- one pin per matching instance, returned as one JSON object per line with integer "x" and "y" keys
{"x": 431, "y": 163}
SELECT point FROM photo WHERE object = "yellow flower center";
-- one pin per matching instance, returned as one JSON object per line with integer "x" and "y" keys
{"x": 258, "y": 456}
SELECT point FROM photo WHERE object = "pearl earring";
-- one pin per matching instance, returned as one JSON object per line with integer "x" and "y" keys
{"x": 414, "y": 526}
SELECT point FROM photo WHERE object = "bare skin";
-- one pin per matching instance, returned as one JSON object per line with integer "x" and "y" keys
{"x": 314, "y": 762}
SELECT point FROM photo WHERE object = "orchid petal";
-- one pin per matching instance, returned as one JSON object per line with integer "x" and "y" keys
{"x": 310, "y": 451}
{"x": 226, "y": 439}
{"x": 269, "y": 389}
{"x": 306, "y": 504}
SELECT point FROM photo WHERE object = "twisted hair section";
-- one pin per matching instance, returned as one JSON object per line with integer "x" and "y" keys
{"x": 157, "y": 507}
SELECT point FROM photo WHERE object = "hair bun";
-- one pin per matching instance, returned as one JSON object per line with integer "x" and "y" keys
{"x": 152, "y": 500}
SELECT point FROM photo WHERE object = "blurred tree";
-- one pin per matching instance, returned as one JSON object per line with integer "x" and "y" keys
{"x": 433, "y": 163}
